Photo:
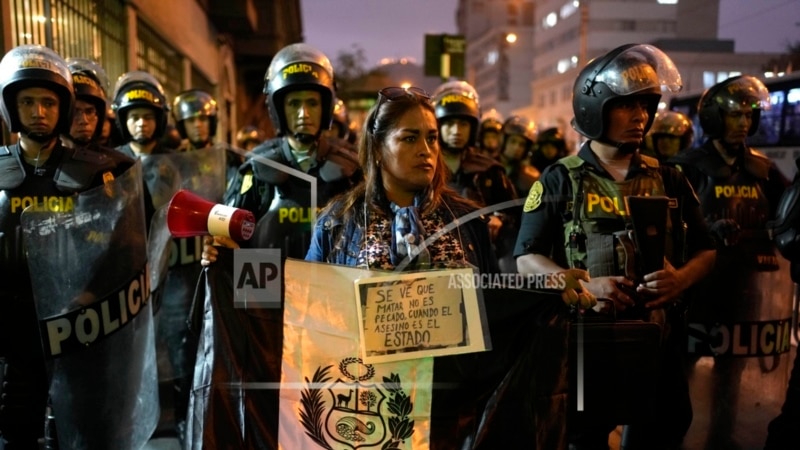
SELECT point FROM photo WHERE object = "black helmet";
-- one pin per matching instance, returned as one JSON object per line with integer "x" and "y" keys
{"x": 734, "y": 94}
{"x": 458, "y": 99}
{"x": 673, "y": 123}
{"x": 491, "y": 121}
{"x": 249, "y": 133}
{"x": 632, "y": 69}
{"x": 194, "y": 103}
{"x": 520, "y": 126}
{"x": 298, "y": 67}
{"x": 29, "y": 66}
{"x": 552, "y": 136}
{"x": 90, "y": 83}
{"x": 135, "y": 90}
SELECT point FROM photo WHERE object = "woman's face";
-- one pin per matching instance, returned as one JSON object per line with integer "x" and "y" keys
{"x": 409, "y": 154}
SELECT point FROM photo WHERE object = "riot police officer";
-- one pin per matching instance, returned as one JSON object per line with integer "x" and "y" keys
{"x": 195, "y": 113}
{"x": 196, "y": 117}
{"x": 519, "y": 137}
{"x": 671, "y": 133}
{"x": 39, "y": 172}
{"x": 490, "y": 133}
{"x": 299, "y": 86}
{"x": 249, "y": 136}
{"x": 615, "y": 97}
{"x": 141, "y": 108}
{"x": 550, "y": 147}
{"x": 90, "y": 82}
{"x": 739, "y": 189}
{"x": 474, "y": 175}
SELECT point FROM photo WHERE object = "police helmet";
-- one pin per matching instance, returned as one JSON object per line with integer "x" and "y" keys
{"x": 673, "y": 123}
{"x": 341, "y": 118}
{"x": 135, "y": 90}
{"x": 520, "y": 126}
{"x": 491, "y": 121}
{"x": 249, "y": 133}
{"x": 552, "y": 136}
{"x": 298, "y": 67}
{"x": 631, "y": 69}
{"x": 90, "y": 83}
{"x": 458, "y": 99}
{"x": 737, "y": 93}
{"x": 194, "y": 103}
{"x": 30, "y": 66}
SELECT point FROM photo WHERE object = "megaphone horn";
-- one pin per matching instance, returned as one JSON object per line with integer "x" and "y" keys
{"x": 190, "y": 215}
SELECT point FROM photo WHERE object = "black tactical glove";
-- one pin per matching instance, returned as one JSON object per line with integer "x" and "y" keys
{"x": 341, "y": 160}
{"x": 726, "y": 232}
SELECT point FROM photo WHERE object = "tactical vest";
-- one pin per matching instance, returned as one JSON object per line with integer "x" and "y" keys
{"x": 737, "y": 195}
{"x": 598, "y": 210}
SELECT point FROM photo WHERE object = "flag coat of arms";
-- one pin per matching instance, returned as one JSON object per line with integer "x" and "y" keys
{"x": 260, "y": 383}
{"x": 329, "y": 398}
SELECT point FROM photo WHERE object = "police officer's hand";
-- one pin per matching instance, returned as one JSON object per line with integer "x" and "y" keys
{"x": 210, "y": 252}
{"x": 661, "y": 287}
{"x": 341, "y": 160}
{"x": 575, "y": 292}
{"x": 612, "y": 288}
{"x": 495, "y": 224}
{"x": 726, "y": 231}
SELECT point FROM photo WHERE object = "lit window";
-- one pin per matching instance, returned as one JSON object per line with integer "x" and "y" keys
{"x": 491, "y": 57}
{"x": 550, "y": 20}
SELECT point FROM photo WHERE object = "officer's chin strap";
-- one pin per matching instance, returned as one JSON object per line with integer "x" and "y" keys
{"x": 305, "y": 138}
{"x": 41, "y": 138}
{"x": 144, "y": 141}
{"x": 623, "y": 147}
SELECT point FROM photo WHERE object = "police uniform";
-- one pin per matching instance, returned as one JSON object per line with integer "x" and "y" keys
{"x": 748, "y": 193}
{"x": 743, "y": 195}
{"x": 49, "y": 187}
{"x": 280, "y": 200}
{"x": 548, "y": 222}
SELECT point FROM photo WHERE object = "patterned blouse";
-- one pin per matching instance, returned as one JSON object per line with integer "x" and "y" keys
{"x": 444, "y": 251}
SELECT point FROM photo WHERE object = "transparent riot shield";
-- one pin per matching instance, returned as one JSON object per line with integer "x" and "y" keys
{"x": 88, "y": 268}
{"x": 200, "y": 171}
{"x": 739, "y": 345}
{"x": 175, "y": 270}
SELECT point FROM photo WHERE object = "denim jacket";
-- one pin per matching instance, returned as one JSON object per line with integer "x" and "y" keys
{"x": 326, "y": 245}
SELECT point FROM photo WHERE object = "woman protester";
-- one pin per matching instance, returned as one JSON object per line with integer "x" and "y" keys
{"x": 402, "y": 215}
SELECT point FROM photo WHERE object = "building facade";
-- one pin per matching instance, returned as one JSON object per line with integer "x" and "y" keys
{"x": 566, "y": 34}
{"x": 221, "y": 46}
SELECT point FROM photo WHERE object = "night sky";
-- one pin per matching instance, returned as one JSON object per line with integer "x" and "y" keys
{"x": 396, "y": 28}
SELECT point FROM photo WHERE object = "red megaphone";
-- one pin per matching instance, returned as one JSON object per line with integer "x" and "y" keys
{"x": 190, "y": 215}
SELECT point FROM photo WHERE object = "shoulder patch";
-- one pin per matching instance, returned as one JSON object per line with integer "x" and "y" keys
{"x": 534, "y": 197}
{"x": 247, "y": 182}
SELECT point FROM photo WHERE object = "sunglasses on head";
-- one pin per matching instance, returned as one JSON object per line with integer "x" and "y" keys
{"x": 390, "y": 94}
{"x": 394, "y": 93}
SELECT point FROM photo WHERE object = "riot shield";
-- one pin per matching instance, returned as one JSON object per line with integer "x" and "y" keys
{"x": 200, "y": 171}
{"x": 89, "y": 274}
{"x": 176, "y": 268}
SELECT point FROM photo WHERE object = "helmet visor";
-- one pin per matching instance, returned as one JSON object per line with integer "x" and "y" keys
{"x": 744, "y": 94}
{"x": 640, "y": 68}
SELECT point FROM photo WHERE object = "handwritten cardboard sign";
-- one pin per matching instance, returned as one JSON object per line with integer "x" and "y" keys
{"x": 414, "y": 315}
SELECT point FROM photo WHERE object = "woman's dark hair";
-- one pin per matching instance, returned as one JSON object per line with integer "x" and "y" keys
{"x": 381, "y": 120}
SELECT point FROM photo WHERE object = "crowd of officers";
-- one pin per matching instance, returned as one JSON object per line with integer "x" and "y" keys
{"x": 549, "y": 209}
